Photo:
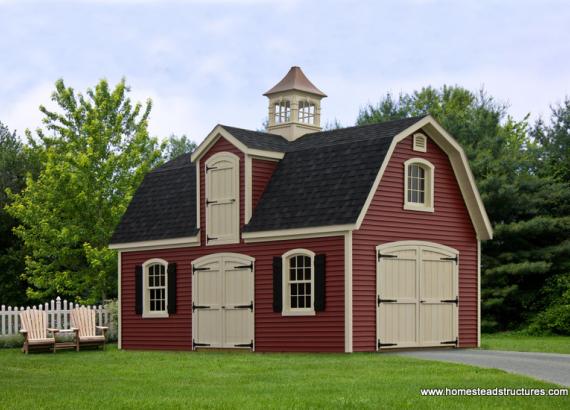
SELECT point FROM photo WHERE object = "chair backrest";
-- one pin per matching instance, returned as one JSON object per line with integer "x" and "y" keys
{"x": 35, "y": 323}
{"x": 84, "y": 319}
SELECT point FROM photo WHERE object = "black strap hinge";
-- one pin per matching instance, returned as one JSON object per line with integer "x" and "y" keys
{"x": 194, "y": 307}
{"x": 209, "y": 168}
{"x": 250, "y": 267}
{"x": 250, "y": 345}
{"x": 380, "y": 345}
{"x": 196, "y": 344}
{"x": 209, "y": 238}
{"x": 195, "y": 269}
{"x": 454, "y": 259}
{"x": 250, "y": 306}
{"x": 208, "y": 202}
{"x": 386, "y": 300}
{"x": 380, "y": 256}
{"x": 451, "y": 342}
{"x": 456, "y": 300}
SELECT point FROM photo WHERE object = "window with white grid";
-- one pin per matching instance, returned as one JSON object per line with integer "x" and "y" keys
{"x": 282, "y": 112}
{"x": 419, "y": 185}
{"x": 306, "y": 112}
{"x": 298, "y": 275}
{"x": 155, "y": 288}
{"x": 416, "y": 184}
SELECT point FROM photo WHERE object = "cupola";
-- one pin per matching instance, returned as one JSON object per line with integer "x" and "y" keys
{"x": 294, "y": 106}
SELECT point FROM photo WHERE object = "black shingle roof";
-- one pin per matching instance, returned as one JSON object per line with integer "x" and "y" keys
{"x": 323, "y": 179}
{"x": 259, "y": 140}
{"x": 164, "y": 205}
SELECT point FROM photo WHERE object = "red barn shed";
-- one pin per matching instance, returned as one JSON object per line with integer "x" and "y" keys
{"x": 356, "y": 239}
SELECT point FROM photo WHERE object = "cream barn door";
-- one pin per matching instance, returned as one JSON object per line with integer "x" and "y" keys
{"x": 417, "y": 295}
{"x": 397, "y": 297}
{"x": 222, "y": 199}
{"x": 223, "y": 302}
{"x": 438, "y": 297}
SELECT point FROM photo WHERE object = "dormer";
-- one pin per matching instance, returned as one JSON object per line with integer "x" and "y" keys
{"x": 294, "y": 106}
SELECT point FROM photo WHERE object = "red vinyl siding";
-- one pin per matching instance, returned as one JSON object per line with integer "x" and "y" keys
{"x": 387, "y": 221}
{"x": 273, "y": 332}
{"x": 261, "y": 171}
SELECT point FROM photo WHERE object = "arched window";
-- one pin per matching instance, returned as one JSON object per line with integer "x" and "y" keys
{"x": 282, "y": 112}
{"x": 299, "y": 282}
{"x": 306, "y": 112}
{"x": 155, "y": 285}
{"x": 419, "y": 185}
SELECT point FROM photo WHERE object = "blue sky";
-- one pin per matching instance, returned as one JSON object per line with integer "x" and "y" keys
{"x": 208, "y": 62}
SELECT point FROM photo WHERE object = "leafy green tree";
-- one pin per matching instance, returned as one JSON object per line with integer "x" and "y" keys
{"x": 15, "y": 163}
{"x": 95, "y": 151}
{"x": 176, "y": 146}
{"x": 528, "y": 209}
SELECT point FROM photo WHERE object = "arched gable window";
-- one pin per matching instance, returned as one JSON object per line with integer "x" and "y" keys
{"x": 222, "y": 198}
{"x": 155, "y": 288}
{"x": 419, "y": 185}
{"x": 299, "y": 282}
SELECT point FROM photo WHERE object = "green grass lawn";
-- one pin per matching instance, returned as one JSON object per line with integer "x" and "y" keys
{"x": 128, "y": 379}
{"x": 522, "y": 343}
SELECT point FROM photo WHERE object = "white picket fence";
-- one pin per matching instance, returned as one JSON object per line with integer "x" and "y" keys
{"x": 58, "y": 315}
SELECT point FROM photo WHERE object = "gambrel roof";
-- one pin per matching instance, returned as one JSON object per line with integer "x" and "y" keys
{"x": 322, "y": 179}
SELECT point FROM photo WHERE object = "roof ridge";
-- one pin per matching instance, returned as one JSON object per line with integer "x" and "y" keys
{"x": 417, "y": 118}
{"x": 258, "y": 132}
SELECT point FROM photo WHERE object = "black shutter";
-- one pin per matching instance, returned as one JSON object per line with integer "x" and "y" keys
{"x": 277, "y": 284}
{"x": 172, "y": 287}
{"x": 138, "y": 289}
{"x": 320, "y": 296}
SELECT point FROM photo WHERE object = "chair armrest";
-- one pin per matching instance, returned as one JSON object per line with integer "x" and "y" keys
{"x": 23, "y": 331}
{"x": 102, "y": 327}
{"x": 51, "y": 329}
{"x": 73, "y": 329}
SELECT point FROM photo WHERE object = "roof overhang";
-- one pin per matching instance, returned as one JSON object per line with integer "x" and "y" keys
{"x": 297, "y": 233}
{"x": 460, "y": 165}
{"x": 157, "y": 244}
{"x": 220, "y": 132}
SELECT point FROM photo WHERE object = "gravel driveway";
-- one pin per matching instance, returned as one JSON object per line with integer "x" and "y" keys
{"x": 550, "y": 367}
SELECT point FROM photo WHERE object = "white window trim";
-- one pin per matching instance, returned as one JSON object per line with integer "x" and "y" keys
{"x": 429, "y": 186}
{"x": 146, "y": 307}
{"x": 234, "y": 159}
{"x": 286, "y": 301}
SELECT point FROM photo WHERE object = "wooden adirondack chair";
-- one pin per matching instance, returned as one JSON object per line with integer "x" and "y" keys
{"x": 35, "y": 330}
{"x": 83, "y": 321}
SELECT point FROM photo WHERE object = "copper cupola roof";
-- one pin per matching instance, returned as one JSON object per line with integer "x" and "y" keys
{"x": 295, "y": 80}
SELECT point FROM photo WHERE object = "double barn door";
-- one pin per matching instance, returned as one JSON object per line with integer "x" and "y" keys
{"x": 222, "y": 301}
{"x": 417, "y": 295}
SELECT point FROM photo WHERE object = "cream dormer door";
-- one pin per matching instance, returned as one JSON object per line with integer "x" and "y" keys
{"x": 222, "y": 199}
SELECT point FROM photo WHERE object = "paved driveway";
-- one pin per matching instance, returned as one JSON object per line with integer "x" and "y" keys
{"x": 544, "y": 366}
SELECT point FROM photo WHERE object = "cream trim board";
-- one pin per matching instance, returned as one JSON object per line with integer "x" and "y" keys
{"x": 297, "y": 233}
{"x": 248, "y": 184}
{"x": 478, "y": 293}
{"x": 119, "y": 309}
{"x": 147, "y": 314}
{"x": 157, "y": 244}
{"x": 219, "y": 132}
{"x": 234, "y": 235}
{"x": 348, "y": 348}
{"x": 198, "y": 202}
{"x": 460, "y": 166}
{"x": 429, "y": 188}
{"x": 286, "y": 288}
